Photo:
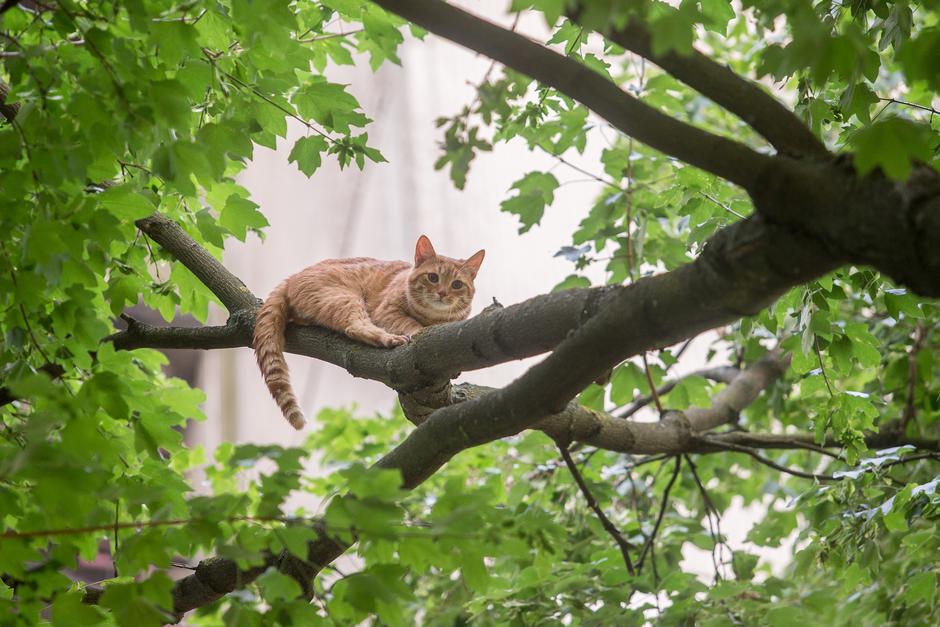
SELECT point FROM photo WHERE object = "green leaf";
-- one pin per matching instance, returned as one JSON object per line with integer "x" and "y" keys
{"x": 126, "y": 202}
{"x": 68, "y": 610}
{"x": 241, "y": 215}
{"x": 921, "y": 587}
{"x": 572, "y": 281}
{"x": 144, "y": 604}
{"x": 330, "y": 105}
{"x": 306, "y": 153}
{"x": 717, "y": 14}
{"x": 892, "y": 144}
{"x": 536, "y": 191}
{"x": 276, "y": 586}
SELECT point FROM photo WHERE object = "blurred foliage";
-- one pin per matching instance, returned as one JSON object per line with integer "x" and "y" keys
{"x": 165, "y": 101}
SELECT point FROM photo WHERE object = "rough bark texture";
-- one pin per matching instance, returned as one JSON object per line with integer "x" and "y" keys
{"x": 814, "y": 214}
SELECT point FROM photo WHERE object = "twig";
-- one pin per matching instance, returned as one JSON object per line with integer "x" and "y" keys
{"x": 912, "y": 458}
{"x": 662, "y": 512}
{"x": 914, "y": 105}
{"x": 592, "y": 503}
{"x": 653, "y": 392}
{"x": 822, "y": 365}
{"x": 183, "y": 566}
{"x": 710, "y": 510}
{"x": 211, "y": 57}
{"x": 648, "y": 460}
{"x": 628, "y": 227}
{"x": 330, "y": 36}
{"x": 722, "y": 205}
{"x": 590, "y": 175}
{"x": 768, "y": 462}
{"x": 910, "y": 411}
{"x": 117, "y": 509}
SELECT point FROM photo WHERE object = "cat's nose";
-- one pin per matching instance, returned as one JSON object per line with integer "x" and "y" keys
{"x": 442, "y": 293}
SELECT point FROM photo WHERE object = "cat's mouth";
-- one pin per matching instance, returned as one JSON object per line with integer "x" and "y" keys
{"x": 440, "y": 303}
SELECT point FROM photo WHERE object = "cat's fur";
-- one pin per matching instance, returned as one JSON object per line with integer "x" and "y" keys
{"x": 381, "y": 303}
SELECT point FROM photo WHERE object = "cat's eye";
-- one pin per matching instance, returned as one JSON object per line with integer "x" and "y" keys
{"x": 457, "y": 285}
{"x": 432, "y": 277}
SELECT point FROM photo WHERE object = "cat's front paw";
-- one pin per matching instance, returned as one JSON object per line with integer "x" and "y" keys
{"x": 390, "y": 340}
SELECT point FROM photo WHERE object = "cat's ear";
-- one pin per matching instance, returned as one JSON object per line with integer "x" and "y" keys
{"x": 473, "y": 263}
{"x": 423, "y": 250}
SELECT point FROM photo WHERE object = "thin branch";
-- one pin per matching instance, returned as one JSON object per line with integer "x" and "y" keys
{"x": 822, "y": 365}
{"x": 769, "y": 462}
{"x": 592, "y": 503}
{"x": 653, "y": 392}
{"x": 724, "y": 157}
{"x": 714, "y": 529}
{"x": 330, "y": 36}
{"x": 912, "y": 458}
{"x": 913, "y": 105}
{"x": 910, "y": 411}
{"x": 662, "y": 512}
{"x": 260, "y": 94}
{"x": 591, "y": 176}
{"x": 722, "y": 205}
{"x": 740, "y": 392}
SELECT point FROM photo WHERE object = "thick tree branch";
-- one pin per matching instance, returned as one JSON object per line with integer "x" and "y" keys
{"x": 728, "y": 159}
{"x": 719, "y": 287}
{"x": 766, "y": 115}
{"x": 893, "y": 227}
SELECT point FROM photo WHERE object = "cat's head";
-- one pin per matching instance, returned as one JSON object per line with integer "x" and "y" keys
{"x": 440, "y": 289}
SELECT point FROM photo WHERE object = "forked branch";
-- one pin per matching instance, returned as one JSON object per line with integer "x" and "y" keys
{"x": 724, "y": 157}
{"x": 762, "y": 112}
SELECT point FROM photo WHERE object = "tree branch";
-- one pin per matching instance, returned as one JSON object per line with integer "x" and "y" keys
{"x": 910, "y": 409}
{"x": 741, "y": 392}
{"x": 724, "y": 157}
{"x": 769, "y": 462}
{"x": 761, "y": 111}
{"x": 662, "y": 512}
{"x": 592, "y": 503}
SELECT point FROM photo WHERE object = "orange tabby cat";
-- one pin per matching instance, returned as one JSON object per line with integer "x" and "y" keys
{"x": 381, "y": 303}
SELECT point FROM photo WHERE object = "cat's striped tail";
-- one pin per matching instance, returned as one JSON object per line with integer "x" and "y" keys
{"x": 269, "y": 350}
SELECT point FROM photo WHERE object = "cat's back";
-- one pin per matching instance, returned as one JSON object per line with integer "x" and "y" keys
{"x": 363, "y": 273}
